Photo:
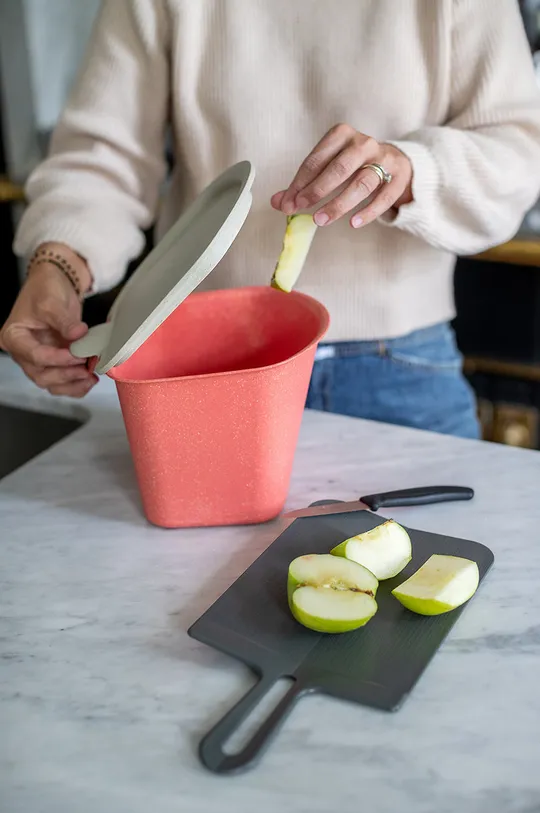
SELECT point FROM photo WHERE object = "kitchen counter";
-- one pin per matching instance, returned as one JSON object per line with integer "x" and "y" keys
{"x": 104, "y": 697}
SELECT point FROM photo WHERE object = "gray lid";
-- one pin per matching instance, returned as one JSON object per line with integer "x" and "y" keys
{"x": 185, "y": 256}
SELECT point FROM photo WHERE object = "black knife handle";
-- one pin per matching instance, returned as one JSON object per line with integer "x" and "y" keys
{"x": 417, "y": 496}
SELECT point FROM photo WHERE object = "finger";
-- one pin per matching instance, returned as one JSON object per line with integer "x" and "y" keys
{"x": 76, "y": 331}
{"x": 75, "y": 390}
{"x": 277, "y": 199}
{"x": 363, "y": 184}
{"x": 380, "y": 204}
{"x": 62, "y": 321}
{"x": 57, "y": 376}
{"x": 44, "y": 376}
{"x": 328, "y": 147}
{"x": 21, "y": 343}
{"x": 338, "y": 172}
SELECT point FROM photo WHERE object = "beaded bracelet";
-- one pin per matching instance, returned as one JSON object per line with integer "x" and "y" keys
{"x": 46, "y": 255}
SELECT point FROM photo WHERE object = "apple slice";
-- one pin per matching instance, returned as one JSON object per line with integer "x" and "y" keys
{"x": 440, "y": 585}
{"x": 296, "y": 242}
{"x": 329, "y": 594}
{"x": 385, "y": 550}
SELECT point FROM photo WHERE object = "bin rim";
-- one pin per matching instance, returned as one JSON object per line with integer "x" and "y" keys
{"x": 313, "y": 303}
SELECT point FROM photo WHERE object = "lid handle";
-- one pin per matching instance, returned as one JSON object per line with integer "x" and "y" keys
{"x": 94, "y": 343}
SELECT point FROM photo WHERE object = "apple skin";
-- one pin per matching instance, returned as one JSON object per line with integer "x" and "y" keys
{"x": 434, "y": 606}
{"x": 423, "y": 607}
{"x": 326, "y": 625}
{"x": 292, "y": 585}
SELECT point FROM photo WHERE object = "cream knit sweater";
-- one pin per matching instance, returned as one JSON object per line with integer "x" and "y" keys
{"x": 448, "y": 81}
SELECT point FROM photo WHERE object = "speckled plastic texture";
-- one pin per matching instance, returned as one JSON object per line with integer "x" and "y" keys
{"x": 213, "y": 402}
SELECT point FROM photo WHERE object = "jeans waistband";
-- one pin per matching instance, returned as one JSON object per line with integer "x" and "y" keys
{"x": 330, "y": 350}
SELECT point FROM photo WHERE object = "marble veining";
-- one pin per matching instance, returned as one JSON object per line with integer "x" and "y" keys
{"x": 103, "y": 697}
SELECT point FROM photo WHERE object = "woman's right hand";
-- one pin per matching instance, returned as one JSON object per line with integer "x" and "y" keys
{"x": 45, "y": 319}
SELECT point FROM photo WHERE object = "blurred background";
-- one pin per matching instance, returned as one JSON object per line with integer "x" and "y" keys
{"x": 497, "y": 294}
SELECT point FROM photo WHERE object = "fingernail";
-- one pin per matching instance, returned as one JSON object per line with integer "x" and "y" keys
{"x": 288, "y": 207}
{"x": 321, "y": 219}
{"x": 302, "y": 203}
{"x": 356, "y": 221}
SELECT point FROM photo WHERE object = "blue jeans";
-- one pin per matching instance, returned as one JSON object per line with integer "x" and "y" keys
{"x": 415, "y": 380}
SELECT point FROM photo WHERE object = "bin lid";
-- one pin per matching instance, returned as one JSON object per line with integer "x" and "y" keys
{"x": 185, "y": 256}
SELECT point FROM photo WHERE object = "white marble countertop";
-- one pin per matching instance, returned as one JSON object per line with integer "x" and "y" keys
{"x": 104, "y": 697}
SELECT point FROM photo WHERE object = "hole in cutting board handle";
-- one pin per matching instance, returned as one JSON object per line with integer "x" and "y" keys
{"x": 217, "y": 748}
{"x": 244, "y": 732}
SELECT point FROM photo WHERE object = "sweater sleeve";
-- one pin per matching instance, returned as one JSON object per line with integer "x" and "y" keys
{"x": 98, "y": 188}
{"x": 476, "y": 176}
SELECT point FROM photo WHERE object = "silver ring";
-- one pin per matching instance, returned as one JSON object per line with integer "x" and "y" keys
{"x": 383, "y": 175}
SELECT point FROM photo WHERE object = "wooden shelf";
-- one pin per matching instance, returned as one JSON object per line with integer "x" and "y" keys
{"x": 508, "y": 369}
{"x": 521, "y": 251}
{"x": 9, "y": 191}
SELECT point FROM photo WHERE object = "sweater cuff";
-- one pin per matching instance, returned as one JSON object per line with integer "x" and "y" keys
{"x": 106, "y": 269}
{"x": 425, "y": 183}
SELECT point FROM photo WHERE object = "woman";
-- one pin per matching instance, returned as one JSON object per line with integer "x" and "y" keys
{"x": 432, "y": 149}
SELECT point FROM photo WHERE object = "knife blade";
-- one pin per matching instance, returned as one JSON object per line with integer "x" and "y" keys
{"x": 426, "y": 495}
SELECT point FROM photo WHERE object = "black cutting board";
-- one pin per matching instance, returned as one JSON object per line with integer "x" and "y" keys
{"x": 377, "y": 665}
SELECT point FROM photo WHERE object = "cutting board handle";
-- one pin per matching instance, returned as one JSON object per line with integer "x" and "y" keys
{"x": 211, "y": 748}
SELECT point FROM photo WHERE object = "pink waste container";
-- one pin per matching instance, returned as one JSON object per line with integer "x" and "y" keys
{"x": 213, "y": 402}
{"x": 212, "y": 385}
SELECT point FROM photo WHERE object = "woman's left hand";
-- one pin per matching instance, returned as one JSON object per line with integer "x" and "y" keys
{"x": 340, "y": 158}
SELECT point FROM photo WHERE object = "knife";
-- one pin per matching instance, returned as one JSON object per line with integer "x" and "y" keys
{"x": 426, "y": 495}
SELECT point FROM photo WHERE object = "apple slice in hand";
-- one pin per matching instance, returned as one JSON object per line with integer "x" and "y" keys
{"x": 440, "y": 585}
{"x": 385, "y": 550}
{"x": 298, "y": 236}
{"x": 330, "y": 594}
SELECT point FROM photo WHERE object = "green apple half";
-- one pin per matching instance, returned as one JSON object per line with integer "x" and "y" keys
{"x": 296, "y": 242}
{"x": 440, "y": 585}
{"x": 329, "y": 594}
{"x": 385, "y": 550}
